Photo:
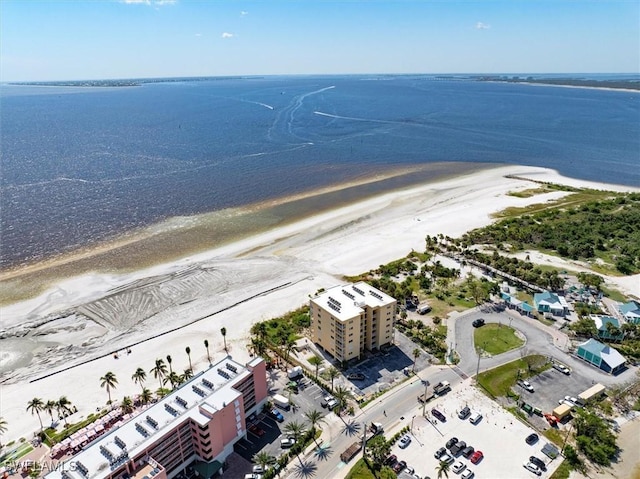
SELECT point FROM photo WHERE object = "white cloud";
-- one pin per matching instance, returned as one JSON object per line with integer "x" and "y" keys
{"x": 243, "y": 13}
{"x": 165, "y": 2}
{"x": 198, "y": 34}
{"x": 482, "y": 26}
{"x": 130, "y": 2}
{"x": 227, "y": 35}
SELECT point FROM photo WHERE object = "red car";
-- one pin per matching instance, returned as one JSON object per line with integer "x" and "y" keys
{"x": 476, "y": 457}
{"x": 399, "y": 466}
{"x": 256, "y": 430}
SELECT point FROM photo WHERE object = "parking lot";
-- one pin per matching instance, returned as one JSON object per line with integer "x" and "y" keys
{"x": 264, "y": 432}
{"x": 499, "y": 435}
{"x": 385, "y": 369}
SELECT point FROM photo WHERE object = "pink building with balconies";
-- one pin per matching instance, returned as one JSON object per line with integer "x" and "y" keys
{"x": 199, "y": 421}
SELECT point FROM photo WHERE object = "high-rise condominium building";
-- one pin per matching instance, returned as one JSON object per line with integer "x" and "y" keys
{"x": 347, "y": 320}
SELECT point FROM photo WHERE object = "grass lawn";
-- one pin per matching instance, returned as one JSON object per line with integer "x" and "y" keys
{"x": 496, "y": 338}
{"x": 562, "y": 472}
{"x": 498, "y": 381}
{"x": 22, "y": 450}
{"x": 361, "y": 471}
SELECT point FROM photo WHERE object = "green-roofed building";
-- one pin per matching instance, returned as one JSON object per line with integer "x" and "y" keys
{"x": 602, "y": 356}
{"x": 608, "y": 327}
{"x": 631, "y": 311}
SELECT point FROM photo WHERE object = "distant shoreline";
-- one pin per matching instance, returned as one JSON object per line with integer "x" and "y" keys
{"x": 607, "y": 85}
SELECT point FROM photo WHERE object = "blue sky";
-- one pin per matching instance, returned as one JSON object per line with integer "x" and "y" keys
{"x": 77, "y": 39}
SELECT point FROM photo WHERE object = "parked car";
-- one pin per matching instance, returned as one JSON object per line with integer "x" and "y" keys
{"x": 526, "y": 385}
{"x": 467, "y": 474}
{"x": 287, "y": 442}
{"x": 572, "y": 400}
{"x": 464, "y": 413}
{"x": 458, "y": 447}
{"x": 468, "y": 451}
{"x": 404, "y": 441}
{"x": 532, "y": 468}
{"x": 448, "y": 458}
{"x": 438, "y": 415}
{"x": 476, "y": 457}
{"x": 476, "y": 418}
{"x": 409, "y": 470}
{"x": 391, "y": 460}
{"x": 356, "y": 376}
{"x": 478, "y": 322}
{"x": 325, "y": 401}
{"x": 258, "y": 469}
{"x": 562, "y": 368}
{"x": 532, "y": 438}
{"x": 399, "y": 466}
{"x": 538, "y": 462}
{"x": 277, "y": 415}
{"x": 253, "y": 476}
{"x": 439, "y": 453}
{"x": 458, "y": 467}
{"x": 451, "y": 442}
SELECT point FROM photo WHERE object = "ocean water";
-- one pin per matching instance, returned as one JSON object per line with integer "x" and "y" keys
{"x": 84, "y": 165}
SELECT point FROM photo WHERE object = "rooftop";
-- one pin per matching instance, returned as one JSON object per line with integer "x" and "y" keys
{"x": 611, "y": 356}
{"x": 348, "y": 301}
{"x": 198, "y": 398}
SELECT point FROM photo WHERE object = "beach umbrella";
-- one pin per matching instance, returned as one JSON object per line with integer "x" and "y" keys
{"x": 75, "y": 435}
{"x": 99, "y": 428}
{"x": 91, "y": 433}
{"x": 83, "y": 438}
{"x": 75, "y": 443}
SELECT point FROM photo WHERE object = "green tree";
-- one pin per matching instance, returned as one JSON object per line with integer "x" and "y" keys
{"x": 416, "y": 355}
{"x": 332, "y": 373}
{"x": 51, "y": 406}
{"x": 442, "y": 469}
{"x": 159, "y": 371}
{"x": 109, "y": 382}
{"x": 188, "y": 350}
{"x": 316, "y": 361}
{"x": 3, "y": 428}
{"x": 264, "y": 459}
{"x": 35, "y": 406}
{"x": 294, "y": 429}
{"x": 314, "y": 417}
{"x": 223, "y": 331}
{"x": 379, "y": 449}
{"x": 139, "y": 377}
{"x": 186, "y": 375}
{"x": 594, "y": 437}
{"x": 206, "y": 345}
{"x": 172, "y": 378}
{"x": 127, "y": 405}
{"x": 146, "y": 396}
{"x": 63, "y": 405}
{"x": 342, "y": 395}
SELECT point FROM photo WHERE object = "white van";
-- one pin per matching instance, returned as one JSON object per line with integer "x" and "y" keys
{"x": 475, "y": 418}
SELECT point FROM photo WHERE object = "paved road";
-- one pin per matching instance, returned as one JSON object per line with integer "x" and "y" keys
{"x": 400, "y": 404}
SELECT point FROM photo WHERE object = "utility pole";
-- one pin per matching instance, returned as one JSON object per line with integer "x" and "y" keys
{"x": 364, "y": 440}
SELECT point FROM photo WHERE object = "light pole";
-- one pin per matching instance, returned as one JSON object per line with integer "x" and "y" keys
{"x": 424, "y": 404}
{"x": 412, "y": 419}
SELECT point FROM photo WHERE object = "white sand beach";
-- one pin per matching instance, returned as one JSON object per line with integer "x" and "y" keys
{"x": 256, "y": 279}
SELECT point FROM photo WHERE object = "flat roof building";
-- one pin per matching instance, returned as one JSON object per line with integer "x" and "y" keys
{"x": 201, "y": 420}
{"x": 348, "y": 320}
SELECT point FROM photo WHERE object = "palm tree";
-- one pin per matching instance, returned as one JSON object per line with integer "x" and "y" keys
{"x": 442, "y": 469}
{"x": 223, "y": 331}
{"x": 63, "y": 404}
{"x": 316, "y": 361}
{"x": 109, "y": 382}
{"x": 333, "y": 373}
{"x": 206, "y": 345}
{"x": 342, "y": 395}
{"x": 159, "y": 370}
{"x": 35, "y": 406}
{"x": 146, "y": 396}
{"x": 314, "y": 417}
{"x": 188, "y": 350}
{"x": 172, "y": 378}
{"x": 50, "y": 406}
{"x": 139, "y": 377}
{"x": 264, "y": 459}
{"x": 127, "y": 405}
{"x": 3, "y": 428}
{"x": 169, "y": 361}
{"x": 188, "y": 374}
{"x": 416, "y": 355}
{"x": 295, "y": 429}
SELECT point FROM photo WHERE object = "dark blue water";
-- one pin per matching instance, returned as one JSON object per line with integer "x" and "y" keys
{"x": 84, "y": 165}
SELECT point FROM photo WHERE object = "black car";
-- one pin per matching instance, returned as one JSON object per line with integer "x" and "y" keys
{"x": 356, "y": 376}
{"x": 532, "y": 438}
{"x": 438, "y": 454}
{"x": 468, "y": 451}
{"x": 438, "y": 415}
{"x": 538, "y": 462}
{"x": 465, "y": 413}
{"x": 391, "y": 460}
{"x": 399, "y": 466}
{"x": 451, "y": 442}
{"x": 478, "y": 322}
